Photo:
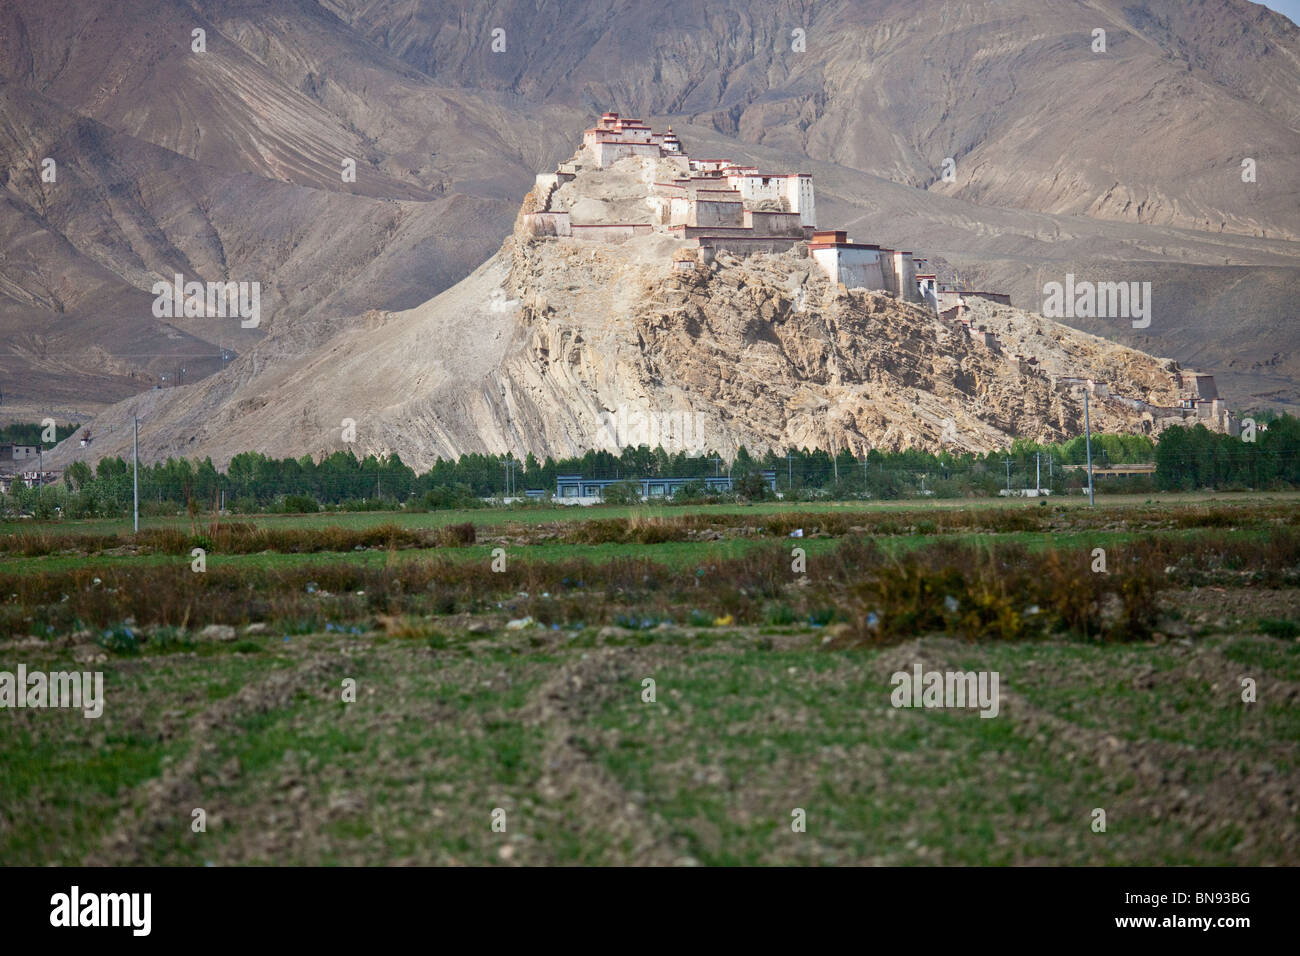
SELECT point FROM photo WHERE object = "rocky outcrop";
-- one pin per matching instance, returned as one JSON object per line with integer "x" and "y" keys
{"x": 764, "y": 353}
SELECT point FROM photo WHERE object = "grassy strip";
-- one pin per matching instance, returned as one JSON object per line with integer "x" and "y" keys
{"x": 885, "y": 593}
{"x": 678, "y": 554}
{"x": 535, "y": 515}
{"x": 647, "y": 529}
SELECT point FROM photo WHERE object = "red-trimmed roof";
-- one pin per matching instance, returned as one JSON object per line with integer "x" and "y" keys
{"x": 813, "y": 244}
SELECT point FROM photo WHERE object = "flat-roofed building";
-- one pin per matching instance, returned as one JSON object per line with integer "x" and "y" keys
{"x": 854, "y": 265}
{"x": 577, "y": 489}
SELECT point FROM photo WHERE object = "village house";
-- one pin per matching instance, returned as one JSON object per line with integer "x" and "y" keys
{"x": 13, "y": 457}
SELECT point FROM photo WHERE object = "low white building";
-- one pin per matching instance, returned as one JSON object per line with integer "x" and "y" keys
{"x": 854, "y": 265}
{"x": 863, "y": 265}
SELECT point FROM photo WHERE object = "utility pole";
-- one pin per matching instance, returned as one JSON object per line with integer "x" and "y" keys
{"x": 1007, "y": 462}
{"x": 135, "y": 470}
{"x": 1087, "y": 427}
{"x": 789, "y": 469}
{"x": 1038, "y": 472}
{"x": 40, "y": 471}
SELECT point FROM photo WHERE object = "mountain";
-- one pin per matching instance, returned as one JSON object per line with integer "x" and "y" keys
{"x": 225, "y": 165}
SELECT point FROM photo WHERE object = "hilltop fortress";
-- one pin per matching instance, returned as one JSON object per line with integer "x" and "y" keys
{"x": 642, "y": 285}
{"x": 716, "y": 206}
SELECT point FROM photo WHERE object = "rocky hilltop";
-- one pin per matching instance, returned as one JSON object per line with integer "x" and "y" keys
{"x": 631, "y": 318}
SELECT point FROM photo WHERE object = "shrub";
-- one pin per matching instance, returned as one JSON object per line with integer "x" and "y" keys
{"x": 368, "y": 504}
{"x": 622, "y": 493}
{"x": 120, "y": 639}
{"x": 299, "y": 504}
{"x": 692, "y": 491}
{"x": 170, "y": 637}
{"x": 1276, "y": 627}
{"x": 781, "y": 614}
{"x": 456, "y": 535}
{"x": 447, "y": 497}
{"x": 752, "y": 487}
{"x": 598, "y": 531}
{"x": 165, "y": 540}
{"x": 653, "y": 530}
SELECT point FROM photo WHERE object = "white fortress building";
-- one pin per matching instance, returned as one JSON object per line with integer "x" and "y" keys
{"x": 616, "y": 137}
{"x": 716, "y": 205}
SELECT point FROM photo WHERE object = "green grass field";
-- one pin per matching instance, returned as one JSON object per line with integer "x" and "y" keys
{"x": 670, "y": 553}
{"x": 486, "y": 517}
{"x": 772, "y": 695}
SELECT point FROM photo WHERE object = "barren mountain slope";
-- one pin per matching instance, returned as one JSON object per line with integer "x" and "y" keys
{"x": 218, "y": 166}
